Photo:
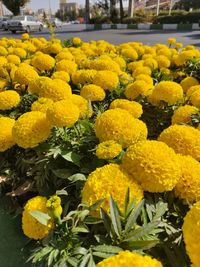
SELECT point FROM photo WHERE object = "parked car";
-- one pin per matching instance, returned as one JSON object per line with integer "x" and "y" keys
{"x": 3, "y": 23}
{"x": 55, "y": 22}
{"x": 24, "y": 23}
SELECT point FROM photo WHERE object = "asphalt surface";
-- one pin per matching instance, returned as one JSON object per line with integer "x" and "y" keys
{"x": 149, "y": 37}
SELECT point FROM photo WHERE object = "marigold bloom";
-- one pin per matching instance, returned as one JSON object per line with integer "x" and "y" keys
{"x": 6, "y": 138}
{"x": 93, "y": 92}
{"x": 129, "y": 259}
{"x": 43, "y": 62}
{"x": 185, "y": 140}
{"x": 106, "y": 79}
{"x": 54, "y": 206}
{"x": 163, "y": 61}
{"x": 30, "y": 129}
{"x": 61, "y": 75}
{"x": 9, "y": 99}
{"x": 108, "y": 150}
{"x": 66, "y": 65}
{"x": 191, "y": 234}
{"x": 166, "y": 91}
{"x": 42, "y": 104}
{"x": 153, "y": 165}
{"x": 13, "y": 59}
{"x": 136, "y": 89}
{"x": 195, "y": 98}
{"x": 112, "y": 125}
{"x": 134, "y": 108}
{"x": 83, "y": 77}
{"x": 171, "y": 40}
{"x": 183, "y": 114}
{"x": 188, "y": 187}
{"x": 31, "y": 226}
{"x": 109, "y": 180}
{"x": 83, "y": 105}
{"x": 25, "y": 74}
{"x": 63, "y": 113}
{"x": 188, "y": 82}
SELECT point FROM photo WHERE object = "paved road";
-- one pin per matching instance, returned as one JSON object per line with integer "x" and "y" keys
{"x": 118, "y": 36}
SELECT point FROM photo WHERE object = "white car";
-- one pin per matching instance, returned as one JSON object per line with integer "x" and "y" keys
{"x": 3, "y": 23}
{"x": 24, "y": 23}
{"x": 56, "y": 22}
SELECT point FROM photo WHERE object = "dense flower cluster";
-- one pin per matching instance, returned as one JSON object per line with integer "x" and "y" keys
{"x": 153, "y": 165}
{"x": 108, "y": 150}
{"x": 129, "y": 259}
{"x": 117, "y": 182}
{"x": 191, "y": 234}
{"x": 112, "y": 125}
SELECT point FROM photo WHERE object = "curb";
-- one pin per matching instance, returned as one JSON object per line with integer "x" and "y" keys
{"x": 143, "y": 26}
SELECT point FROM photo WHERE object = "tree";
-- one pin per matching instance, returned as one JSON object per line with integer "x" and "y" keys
{"x": 187, "y": 4}
{"x": 14, "y": 5}
{"x": 87, "y": 11}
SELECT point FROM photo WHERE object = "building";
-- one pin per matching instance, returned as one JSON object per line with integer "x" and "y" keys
{"x": 69, "y": 8}
{"x": 152, "y": 4}
{"x": 1, "y": 9}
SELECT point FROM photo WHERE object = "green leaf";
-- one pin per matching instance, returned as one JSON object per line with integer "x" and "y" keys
{"x": 80, "y": 230}
{"x": 115, "y": 217}
{"x": 106, "y": 220}
{"x": 71, "y": 157}
{"x": 140, "y": 244}
{"x": 102, "y": 255}
{"x": 127, "y": 199}
{"x": 62, "y": 173}
{"x": 107, "y": 249}
{"x": 141, "y": 232}
{"x": 77, "y": 177}
{"x": 41, "y": 217}
{"x": 133, "y": 216}
{"x": 61, "y": 192}
{"x": 161, "y": 208}
{"x": 85, "y": 260}
{"x": 72, "y": 261}
{"x": 91, "y": 262}
{"x": 96, "y": 205}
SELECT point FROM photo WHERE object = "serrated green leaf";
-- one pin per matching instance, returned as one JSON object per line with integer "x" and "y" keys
{"x": 41, "y": 217}
{"x": 102, "y": 255}
{"x": 107, "y": 249}
{"x": 115, "y": 216}
{"x": 106, "y": 220}
{"x": 71, "y": 157}
{"x": 77, "y": 177}
{"x": 127, "y": 199}
{"x": 84, "y": 261}
{"x": 80, "y": 230}
{"x": 96, "y": 205}
{"x": 50, "y": 258}
{"x": 141, "y": 232}
{"x": 62, "y": 173}
{"x": 72, "y": 261}
{"x": 132, "y": 218}
{"x": 140, "y": 244}
{"x": 91, "y": 262}
{"x": 161, "y": 208}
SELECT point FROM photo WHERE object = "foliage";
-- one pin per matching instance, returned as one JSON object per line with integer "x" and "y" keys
{"x": 14, "y": 5}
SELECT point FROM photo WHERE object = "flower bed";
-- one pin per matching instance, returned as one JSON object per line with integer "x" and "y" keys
{"x": 100, "y": 150}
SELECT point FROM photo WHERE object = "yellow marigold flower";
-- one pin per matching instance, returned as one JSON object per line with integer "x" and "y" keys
{"x": 120, "y": 61}
{"x": 184, "y": 56}
{"x": 20, "y": 52}
{"x": 153, "y": 164}
{"x": 30, "y": 129}
{"x": 3, "y": 84}
{"x": 188, "y": 82}
{"x": 168, "y": 92}
{"x": 43, "y": 62}
{"x": 142, "y": 70}
{"x": 163, "y": 61}
{"x": 109, "y": 180}
{"x": 191, "y": 234}
{"x": 66, "y": 65}
{"x": 36, "y": 84}
{"x": 129, "y": 54}
{"x": 31, "y": 227}
{"x": 55, "y": 89}
{"x": 191, "y": 90}
{"x": 53, "y": 48}
{"x": 76, "y": 41}
{"x": 129, "y": 259}
{"x": 3, "y": 51}
{"x": 64, "y": 55}
{"x": 25, "y": 74}
{"x": 105, "y": 64}
{"x": 42, "y": 104}
{"x": 54, "y": 206}
{"x": 83, "y": 105}
{"x": 151, "y": 63}
{"x": 195, "y": 98}
{"x": 112, "y": 125}
{"x": 183, "y": 114}
{"x": 125, "y": 78}
{"x": 25, "y": 36}
{"x": 145, "y": 78}
{"x": 62, "y": 75}
{"x": 188, "y": 187}
{"x": 134, "y": 108}
{"x": 63, "y": 114}
{"x": 83, "y": 76}
{"x": 108, "y": 150}
{"x": 9, "y": 99}
{"x": 134, "y": 65}
{"x": 171, "y": 40}
{"x": 137, "y": 88}
{"x": 106, "y": 79}
{"x": 183, "y": 139}
{"x": 6, "y": 139}
{"x": 3, "y": 61}
{"x": 13, "y": 59}
{"x": 179, "y": 45}
{"x": 164, "y": 52}
{"x": 92, "y": 92}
